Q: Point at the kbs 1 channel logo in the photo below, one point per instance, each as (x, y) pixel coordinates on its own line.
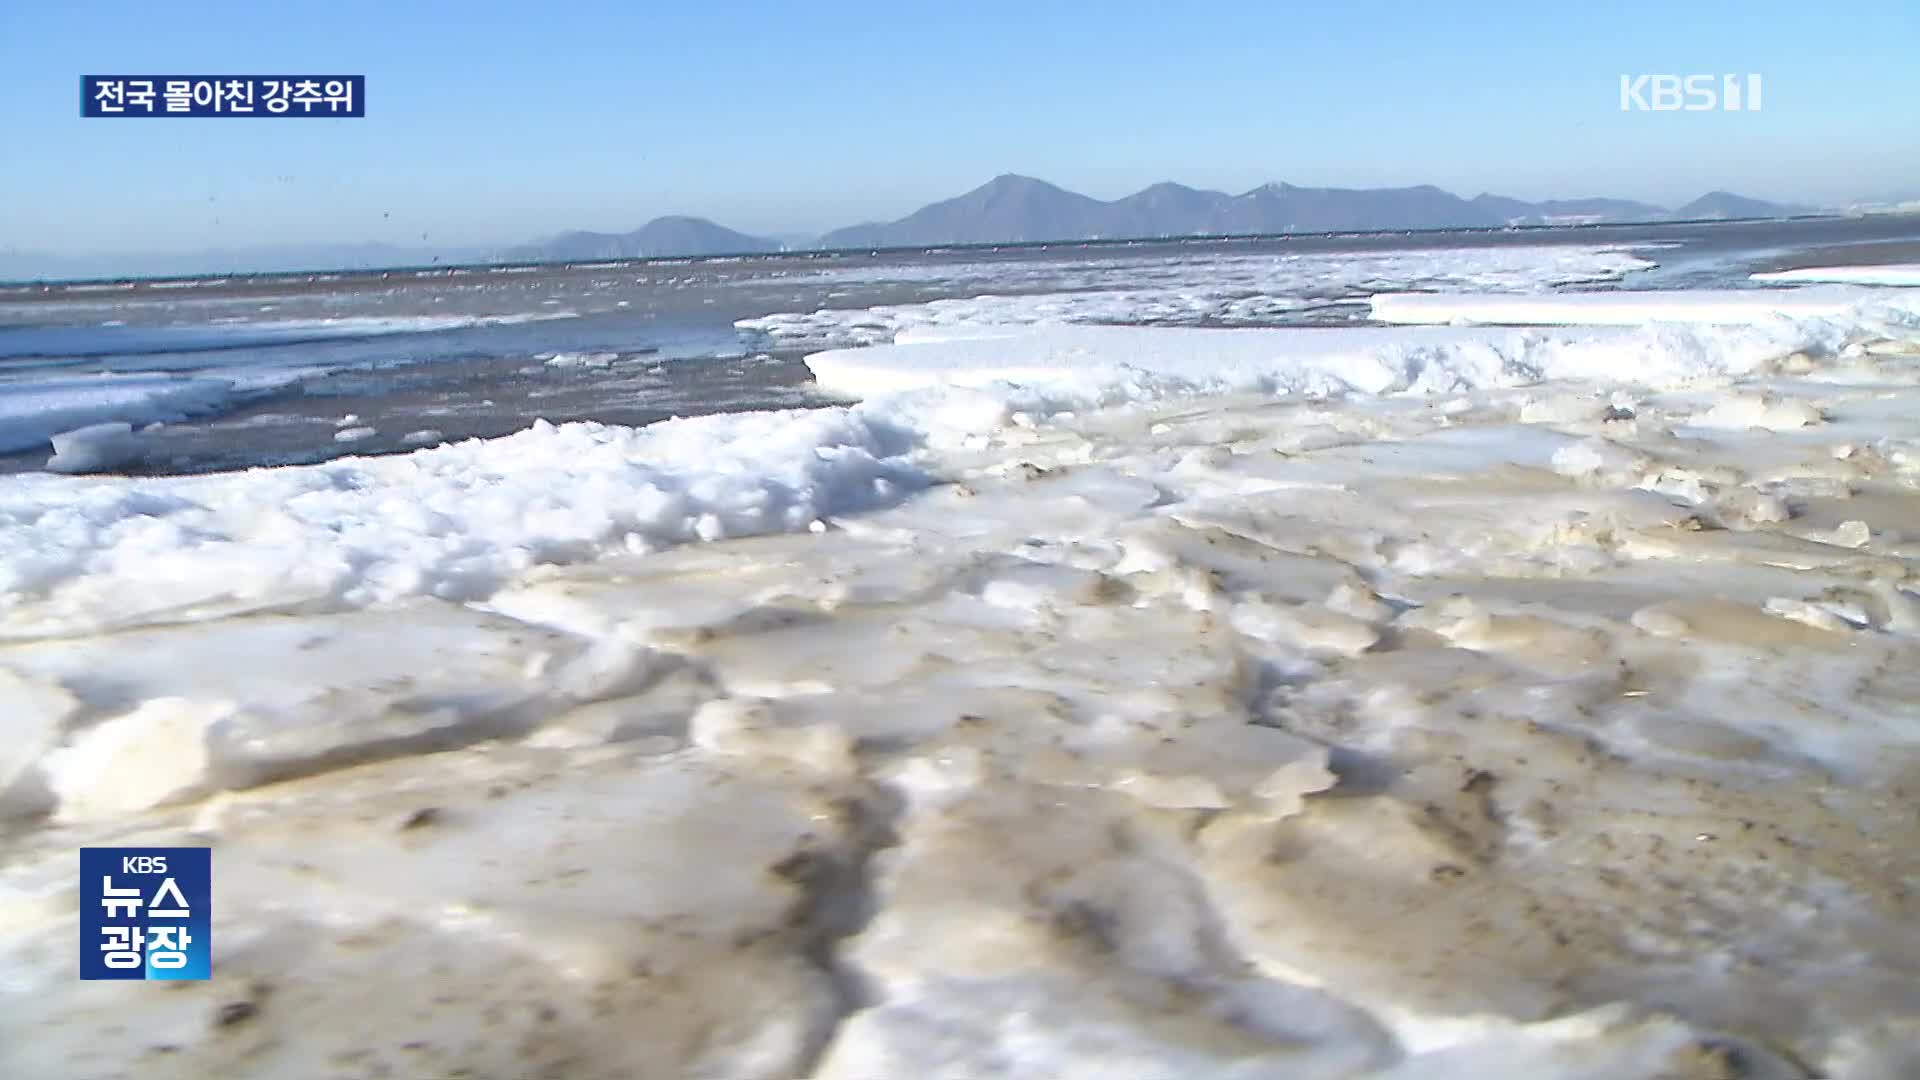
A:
(1690, 93)
(282, 96)
(146, 913)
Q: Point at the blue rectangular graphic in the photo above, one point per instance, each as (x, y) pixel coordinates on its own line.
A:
(146, 913)
(223, 95)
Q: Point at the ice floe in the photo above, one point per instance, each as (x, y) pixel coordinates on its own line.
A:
(1890, 274)
(32, 413)
(1215, 290)
(1718, 306)
(1093, 366)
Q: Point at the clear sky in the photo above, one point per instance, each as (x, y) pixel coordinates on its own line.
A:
(493, 123)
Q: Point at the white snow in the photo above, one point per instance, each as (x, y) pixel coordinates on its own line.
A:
(1889, 274)
(454, 521)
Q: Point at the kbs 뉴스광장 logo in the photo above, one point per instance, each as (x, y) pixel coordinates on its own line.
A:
(146, 913)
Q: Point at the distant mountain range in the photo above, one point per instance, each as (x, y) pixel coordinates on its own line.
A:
(663, 237)
(1020, 209)
(1008, 209)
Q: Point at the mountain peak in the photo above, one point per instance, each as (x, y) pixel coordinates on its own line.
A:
(671, 236)
(1726, 205)
(1016, 182)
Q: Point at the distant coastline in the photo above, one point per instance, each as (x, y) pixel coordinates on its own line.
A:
(498, 263)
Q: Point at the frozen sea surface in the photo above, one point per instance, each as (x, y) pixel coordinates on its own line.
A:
(1080, 701)
(229, 372)
(1061, 700)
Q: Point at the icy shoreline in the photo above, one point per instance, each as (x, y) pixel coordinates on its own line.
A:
(1464, 702)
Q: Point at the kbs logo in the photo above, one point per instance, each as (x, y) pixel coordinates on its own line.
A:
(1689, 93)
(146, 913)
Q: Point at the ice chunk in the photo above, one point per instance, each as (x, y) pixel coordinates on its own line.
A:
(1746, 508)
(1601, 458)
(1758, 411)
(731, 726)
(150, 756)
(1852, 534)
(95, 448)
(1304, 626)
(582, 360)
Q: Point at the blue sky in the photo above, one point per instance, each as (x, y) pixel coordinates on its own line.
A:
(493, 123)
